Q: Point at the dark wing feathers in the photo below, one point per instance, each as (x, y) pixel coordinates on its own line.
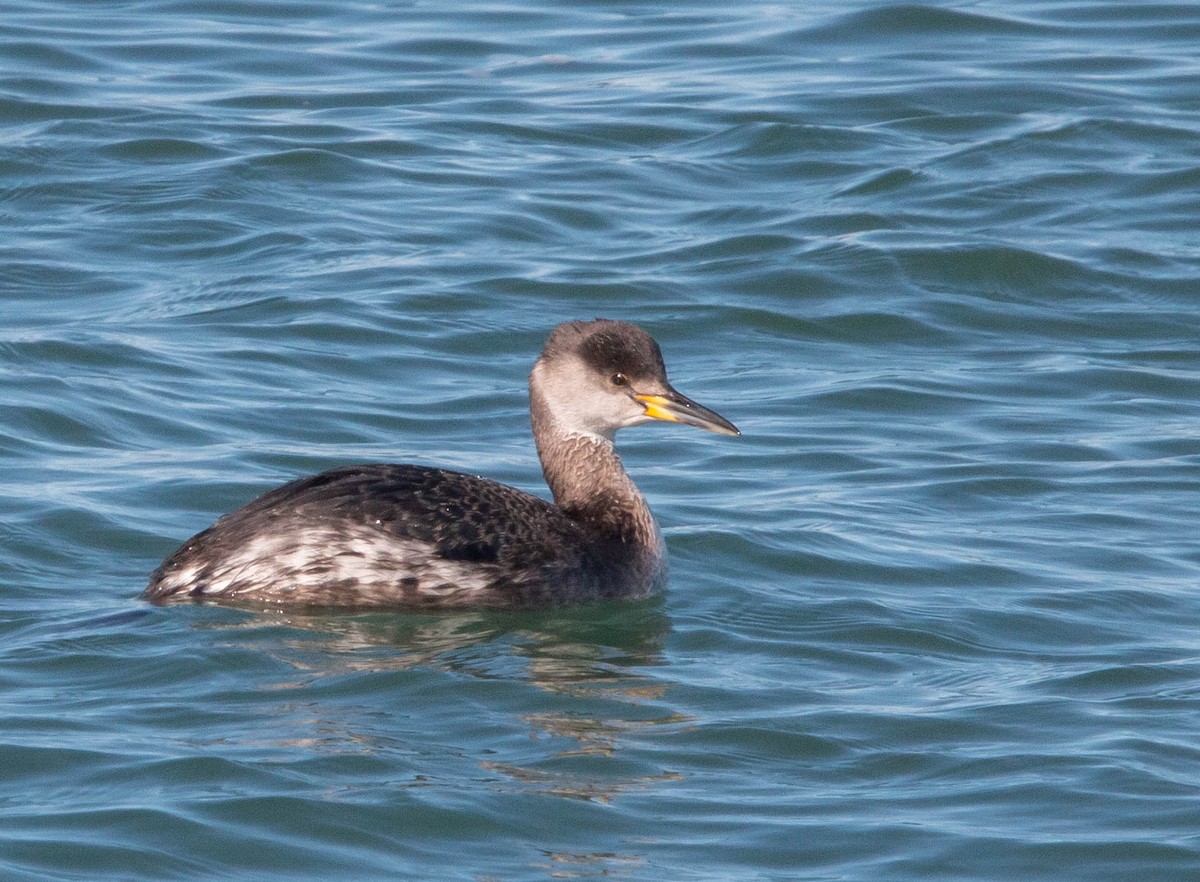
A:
(464, 517)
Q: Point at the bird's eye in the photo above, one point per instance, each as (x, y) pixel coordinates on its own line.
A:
(619, 379)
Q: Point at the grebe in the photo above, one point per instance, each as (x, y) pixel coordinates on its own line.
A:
(409, 536)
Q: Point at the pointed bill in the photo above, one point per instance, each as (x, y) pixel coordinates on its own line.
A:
(676, 408)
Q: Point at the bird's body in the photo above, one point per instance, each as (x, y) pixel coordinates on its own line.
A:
(384, 535)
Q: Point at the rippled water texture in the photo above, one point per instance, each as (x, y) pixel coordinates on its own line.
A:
(934, 616)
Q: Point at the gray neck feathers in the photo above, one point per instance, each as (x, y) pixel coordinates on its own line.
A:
(588, 481)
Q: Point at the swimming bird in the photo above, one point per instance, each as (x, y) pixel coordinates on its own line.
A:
(383, 535)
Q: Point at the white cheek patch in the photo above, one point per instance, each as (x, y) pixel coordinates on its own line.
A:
(578, 403)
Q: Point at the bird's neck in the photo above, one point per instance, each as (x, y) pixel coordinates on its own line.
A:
(589, 483)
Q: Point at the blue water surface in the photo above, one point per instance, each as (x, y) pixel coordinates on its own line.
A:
(936, 615)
